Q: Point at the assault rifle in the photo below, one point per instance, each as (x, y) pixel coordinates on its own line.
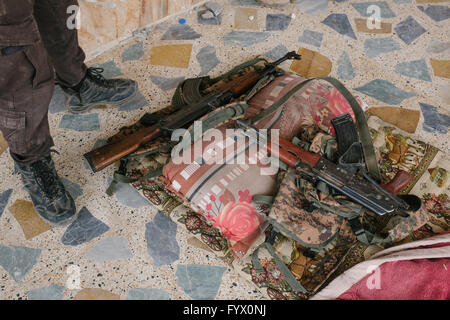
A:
(217, 96)
(357, 186)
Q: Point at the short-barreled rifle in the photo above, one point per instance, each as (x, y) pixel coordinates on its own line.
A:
(357, 186)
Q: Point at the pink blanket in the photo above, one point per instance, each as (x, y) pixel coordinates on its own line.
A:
(425, 279)
(416, 271)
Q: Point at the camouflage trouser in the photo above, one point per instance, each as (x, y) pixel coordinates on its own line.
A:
(35, 42)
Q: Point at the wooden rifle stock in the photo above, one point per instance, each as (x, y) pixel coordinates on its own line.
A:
(401, 180)
(239, 87)
(102, 157)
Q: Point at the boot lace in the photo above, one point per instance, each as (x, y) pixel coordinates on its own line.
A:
(47, 179)
(95, 74)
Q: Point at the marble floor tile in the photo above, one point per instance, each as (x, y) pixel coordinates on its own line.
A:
(18, 260)
(366, 9)
(246, 19)
(85, 228)
(114, 248)
(312, 65)
(80, 122)
(312, 6)
(133, 52)
(31, 223)
(375, 47)
(345, 69)
(74, 189)
(438, 47)
(51, 292)
(3, 144)
(4, 198)
(433, 120)
(213, 20)
(57, 104)
(244, 38)
(371, 26)
(340, 23)
(437, 13)
(162, 245)
(207, 58)
(166, 83)
(95, 294)
(415, 69)
(441, 68)
(137, 102)
(180, 32)
(200, 282)
(311, 37)
(385, 91)
(409, 30)
(405, 119)
(147, 294)
(276, 53)
(177, 55)
(110, 69)
(277, 22)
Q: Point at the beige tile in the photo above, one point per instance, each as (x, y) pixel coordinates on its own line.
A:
(32, 225)
(242, 19)
(312, 64)
(177, 55)
(441, 68)
(3, 144)
(361, 26)
(404, 119)
(95, 294)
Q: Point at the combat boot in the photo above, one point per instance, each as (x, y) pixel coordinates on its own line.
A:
(50, 199)
(94, 90)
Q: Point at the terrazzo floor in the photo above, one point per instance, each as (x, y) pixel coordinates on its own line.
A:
(121, 247)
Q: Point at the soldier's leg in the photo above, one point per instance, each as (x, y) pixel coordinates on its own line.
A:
(85, 87)
(26, 83)
(60, 38)
(26, 87)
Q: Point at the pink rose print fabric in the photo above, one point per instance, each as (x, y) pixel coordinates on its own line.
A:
(238, 220)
